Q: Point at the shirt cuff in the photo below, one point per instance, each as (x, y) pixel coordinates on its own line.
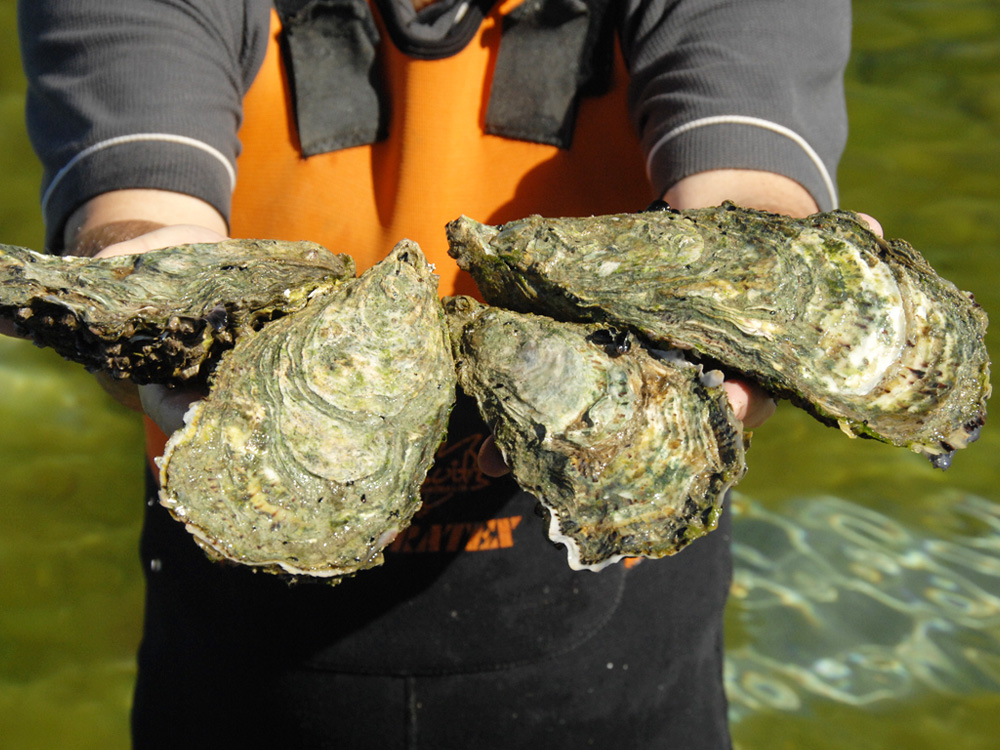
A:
(160, 161)
(739, 142)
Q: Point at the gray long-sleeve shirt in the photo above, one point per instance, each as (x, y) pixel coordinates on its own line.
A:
(147, 94)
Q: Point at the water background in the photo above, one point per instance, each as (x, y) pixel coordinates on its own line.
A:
(866, 606)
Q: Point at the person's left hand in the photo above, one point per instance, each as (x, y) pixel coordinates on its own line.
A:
(752, 406)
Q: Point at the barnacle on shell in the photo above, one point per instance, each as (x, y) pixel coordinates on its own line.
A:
(630, 454)
(163, 316)
(330, 394)
(858, 330)
(308, 454)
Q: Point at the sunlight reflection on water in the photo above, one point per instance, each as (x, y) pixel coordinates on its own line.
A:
(835, 606)
(840, 602)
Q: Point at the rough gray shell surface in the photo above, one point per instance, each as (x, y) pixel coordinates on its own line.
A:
(164, 316)
(308, 454)
(630, 454)
(858, 330)
(322, 420)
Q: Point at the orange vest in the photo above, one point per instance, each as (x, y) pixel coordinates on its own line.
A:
(435, 165)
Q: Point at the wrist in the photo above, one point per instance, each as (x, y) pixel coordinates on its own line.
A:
(92, 240)
(748, 188)
(122, 215)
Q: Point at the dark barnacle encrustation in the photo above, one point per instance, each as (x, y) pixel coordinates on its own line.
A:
(307, 456)
(164, 316)
(858, 330)
(630, 454)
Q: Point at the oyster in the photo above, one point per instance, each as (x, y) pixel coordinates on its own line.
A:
(308, 453)
(858, 330)
(630, 455)
(164, 316)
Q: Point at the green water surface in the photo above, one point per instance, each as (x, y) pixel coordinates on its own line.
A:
(866, 606)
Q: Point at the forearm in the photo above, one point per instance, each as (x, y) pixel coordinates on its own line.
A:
(756, 85)
(111, 101)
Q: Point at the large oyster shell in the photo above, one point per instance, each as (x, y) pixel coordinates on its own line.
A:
(630, 455)
(164, 316)
(858, 330)
(308, 453)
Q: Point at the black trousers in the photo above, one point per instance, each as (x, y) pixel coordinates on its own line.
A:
(461, 639)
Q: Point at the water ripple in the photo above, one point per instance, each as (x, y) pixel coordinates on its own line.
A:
(837, 601)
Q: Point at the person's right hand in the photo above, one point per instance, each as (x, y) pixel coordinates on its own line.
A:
(9, 328)
(164, 405)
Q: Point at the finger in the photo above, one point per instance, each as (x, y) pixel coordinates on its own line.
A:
(124, 392)
(9, 328)
(872, 223)
(491, 461)
(752, 405)
(167, 406)
(170, 236)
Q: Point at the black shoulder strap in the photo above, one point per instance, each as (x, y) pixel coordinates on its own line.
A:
(330, 53)
(552, 53)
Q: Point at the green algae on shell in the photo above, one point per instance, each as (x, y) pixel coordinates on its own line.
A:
(307, 456)
(629, 454)
(164, 316)
(858, 330)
